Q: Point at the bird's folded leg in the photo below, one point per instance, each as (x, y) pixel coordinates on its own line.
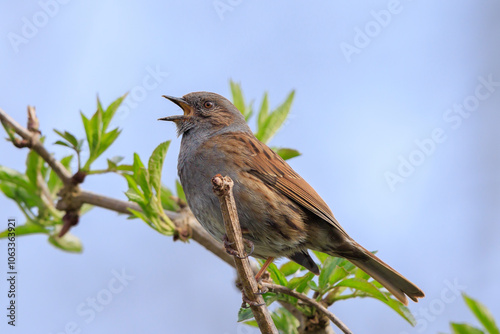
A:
(264, 267)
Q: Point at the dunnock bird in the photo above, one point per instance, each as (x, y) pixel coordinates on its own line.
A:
(279, 212)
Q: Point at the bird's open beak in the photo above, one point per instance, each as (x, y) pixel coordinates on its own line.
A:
(181, 103)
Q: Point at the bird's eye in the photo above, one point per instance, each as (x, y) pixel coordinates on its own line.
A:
(208, 104)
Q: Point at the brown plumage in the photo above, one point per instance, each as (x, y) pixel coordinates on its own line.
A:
(279, 211)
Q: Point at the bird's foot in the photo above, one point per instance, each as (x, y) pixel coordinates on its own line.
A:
(247, 302)
(231, 251)
(261, 289)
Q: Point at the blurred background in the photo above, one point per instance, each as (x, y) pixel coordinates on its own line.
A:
(395, 114)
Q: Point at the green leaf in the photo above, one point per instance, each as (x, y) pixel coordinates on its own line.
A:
(106, 140)
(312, 285)
(132, 184)
(348, 266)
(285, 322)
(28, 228)
(69, 137)
(98, 139)
(140, 215)
(86, 126)
(68, 243)
(402, 310)
(286, 153)
(141, 177)
(464, 329)
(363, 285)
(263, 112)
(155, 166)
(54, 183)
(180, 191)
(482, 314)
(80, 145)
(10, 131)
(321, 256)
(116, 159)
(143, 181)
(300, 283)
(277, 275)
(167, 201)
(133, 196)
(63, 143)
(12, 176)
(26, 199)
(239, 100)
(96, 123)
(110, 111)
(237, 94)
(93, 129)
(113, 163)
(246, 313)
(251, 323)
(33, 167)
(290, 268)
(100, 109)
(361, 274)
(328, 267)
(275, 120)
(338, 274)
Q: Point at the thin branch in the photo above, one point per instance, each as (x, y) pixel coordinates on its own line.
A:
(37, 146)
(181, 220)
(223, 188)
(284, 290)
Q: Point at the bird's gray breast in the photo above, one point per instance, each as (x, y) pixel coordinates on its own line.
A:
(196, 168)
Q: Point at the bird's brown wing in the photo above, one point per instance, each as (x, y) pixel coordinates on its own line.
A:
(268, 166)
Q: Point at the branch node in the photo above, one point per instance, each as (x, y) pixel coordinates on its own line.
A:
(79, 177)
(70, 219)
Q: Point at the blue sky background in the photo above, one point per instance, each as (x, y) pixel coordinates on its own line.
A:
(353, 119)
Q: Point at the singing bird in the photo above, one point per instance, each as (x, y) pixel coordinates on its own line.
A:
(279, 212)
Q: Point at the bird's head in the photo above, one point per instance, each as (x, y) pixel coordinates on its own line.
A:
(207, 112)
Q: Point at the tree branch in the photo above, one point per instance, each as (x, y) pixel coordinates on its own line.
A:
(223, 188)
(35, 144)
(284, 290)
(182, 220)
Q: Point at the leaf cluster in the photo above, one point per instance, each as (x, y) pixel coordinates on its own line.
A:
(268, 122)
(338, 280)
(146, 190)
(36, 202)
(482, 314)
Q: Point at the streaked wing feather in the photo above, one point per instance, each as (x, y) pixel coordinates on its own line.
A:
(268, 166)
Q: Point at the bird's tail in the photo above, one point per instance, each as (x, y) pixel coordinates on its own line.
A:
(393, 281)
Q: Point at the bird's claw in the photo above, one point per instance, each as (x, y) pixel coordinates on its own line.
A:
(249, 302)
(261, 289)
(233, 252)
